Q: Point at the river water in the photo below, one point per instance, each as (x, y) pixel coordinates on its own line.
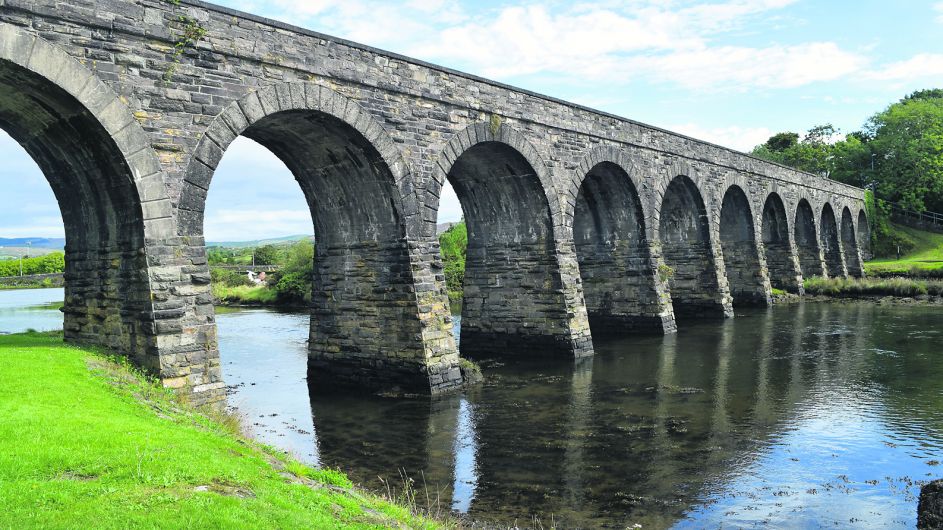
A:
(804, 415)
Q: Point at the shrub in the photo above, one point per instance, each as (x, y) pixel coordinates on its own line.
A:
(229, 278)
(293, 287)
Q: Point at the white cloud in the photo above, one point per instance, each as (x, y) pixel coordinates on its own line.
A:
(46, 226)
(742, 68)
(917, 67)
(651, 41)
(739, 138)
(938, 7)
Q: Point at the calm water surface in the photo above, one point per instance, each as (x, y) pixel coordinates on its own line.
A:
(801, 416)
(22, 309)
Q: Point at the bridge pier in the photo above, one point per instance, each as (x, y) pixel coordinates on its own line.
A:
(366, 328)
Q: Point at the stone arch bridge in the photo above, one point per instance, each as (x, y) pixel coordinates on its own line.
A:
(578, 220)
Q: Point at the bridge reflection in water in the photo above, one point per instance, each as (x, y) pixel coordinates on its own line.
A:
(810, 414)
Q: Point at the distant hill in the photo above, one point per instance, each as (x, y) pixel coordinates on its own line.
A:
(55, 243)
(16, 247)
(442, 227)
(259, 242)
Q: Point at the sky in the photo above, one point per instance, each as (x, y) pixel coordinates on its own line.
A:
(732, 72)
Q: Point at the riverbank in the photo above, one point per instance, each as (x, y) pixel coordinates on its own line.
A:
(87, 441)
(898, 287)
(35, 281)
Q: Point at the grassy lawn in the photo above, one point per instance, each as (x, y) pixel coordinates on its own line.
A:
(925, 260)
(86, 442)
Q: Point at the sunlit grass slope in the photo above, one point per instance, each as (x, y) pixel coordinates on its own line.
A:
(88, 443)
(925, 259)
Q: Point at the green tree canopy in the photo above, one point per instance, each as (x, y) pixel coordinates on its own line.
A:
(907, 139)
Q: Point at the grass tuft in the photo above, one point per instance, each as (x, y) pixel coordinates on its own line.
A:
(850, 287)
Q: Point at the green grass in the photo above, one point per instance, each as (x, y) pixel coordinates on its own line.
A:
(853, 287)
(244, 294)
(924, 261)
(86, 442)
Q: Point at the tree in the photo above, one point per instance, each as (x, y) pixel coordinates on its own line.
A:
(782, 141)
(850, 160)
(907, 139)
(266, 255)
(453, 244)
(293, 282)
(928, 93)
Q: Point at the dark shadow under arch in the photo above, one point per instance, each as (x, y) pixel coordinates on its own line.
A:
(741, 255)
(807, 241)
(686, 248)
(613, 253)
(780, 260)
(850, 245)
(834, 261)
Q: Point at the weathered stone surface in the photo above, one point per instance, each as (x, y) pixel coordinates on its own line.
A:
(575, 217)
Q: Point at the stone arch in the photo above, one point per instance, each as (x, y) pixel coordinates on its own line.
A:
(864, 235)
(107, 182)
(293, 107)
(742, 262)
(831, 243)
(613, 248)
(777, 245)
(366, 328)
(850, 245)
(690, 266)
(484, 133)
(518, 297)
(807, 241)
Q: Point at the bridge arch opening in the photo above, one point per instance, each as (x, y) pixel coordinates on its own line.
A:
(366, 331)
(686, 247)
(807, 241)
(512, 300)
(780, 259)
(834, 261)
(748, 284)
(107, 295)
(612, 250)
(850, 245)
(864, 236)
